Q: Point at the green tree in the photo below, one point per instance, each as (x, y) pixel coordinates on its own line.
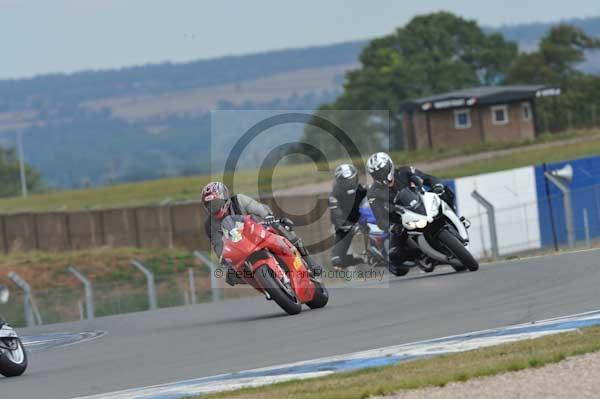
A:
(433, 53)
(556, 59)
(555, 63)
(10, 182)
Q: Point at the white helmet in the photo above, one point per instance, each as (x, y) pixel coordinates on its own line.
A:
(381, 168)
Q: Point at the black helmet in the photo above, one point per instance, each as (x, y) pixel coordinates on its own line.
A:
(381, 168)
(346, 176)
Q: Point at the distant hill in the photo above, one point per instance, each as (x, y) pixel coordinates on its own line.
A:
(134, 123)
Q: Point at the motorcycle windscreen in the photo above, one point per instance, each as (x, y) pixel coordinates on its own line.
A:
(410, 200)
(230, 226)
(240, 237)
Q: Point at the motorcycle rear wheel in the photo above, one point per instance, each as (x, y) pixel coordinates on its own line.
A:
(282, 295)
(458, 249)
(13, 363)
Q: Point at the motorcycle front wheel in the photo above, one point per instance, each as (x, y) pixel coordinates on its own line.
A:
(458, 250)
(284, 296)
(13, 362)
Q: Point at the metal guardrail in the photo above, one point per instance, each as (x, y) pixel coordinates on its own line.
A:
(561, 179)
(152, 303)
(89, 292)
(491, 214)
(32, 314)
(214, 284)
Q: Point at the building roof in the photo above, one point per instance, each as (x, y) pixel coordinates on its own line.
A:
(480, 95)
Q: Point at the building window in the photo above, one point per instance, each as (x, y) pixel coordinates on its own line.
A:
(500, 115)
(462, 119)
(526, 111)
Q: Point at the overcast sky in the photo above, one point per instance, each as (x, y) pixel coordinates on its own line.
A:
(42, 36)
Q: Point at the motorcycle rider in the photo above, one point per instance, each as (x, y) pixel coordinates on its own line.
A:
(218, 204)
(387, 182)
(344, 202)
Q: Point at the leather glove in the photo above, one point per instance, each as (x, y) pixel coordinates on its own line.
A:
(269, 220)
(438, 189)
(345, 227)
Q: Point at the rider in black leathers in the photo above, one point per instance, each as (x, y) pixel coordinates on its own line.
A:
(344, 203)
(387, 182)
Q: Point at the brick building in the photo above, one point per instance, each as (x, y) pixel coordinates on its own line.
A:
(472, 116)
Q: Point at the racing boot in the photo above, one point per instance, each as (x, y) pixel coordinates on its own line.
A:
(315, 269)
(352, 260)
(233, 278)
(336, 263)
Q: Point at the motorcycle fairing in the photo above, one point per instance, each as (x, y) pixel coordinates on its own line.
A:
(7, 332)
(265, 247)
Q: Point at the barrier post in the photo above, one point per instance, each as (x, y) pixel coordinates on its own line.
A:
(491, 214)
(586, 227)
(214, 286)
(561, 179)
(28, 308)
(89, 292)
(192, 283)
(149, 282)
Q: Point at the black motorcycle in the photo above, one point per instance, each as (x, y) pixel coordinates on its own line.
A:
(13, 357)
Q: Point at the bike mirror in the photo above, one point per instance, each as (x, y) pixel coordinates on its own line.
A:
(4, 294)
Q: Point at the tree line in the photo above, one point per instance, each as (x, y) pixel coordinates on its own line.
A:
(441, 52)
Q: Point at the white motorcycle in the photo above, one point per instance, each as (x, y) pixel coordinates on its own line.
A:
(434, 229)
(13, 358)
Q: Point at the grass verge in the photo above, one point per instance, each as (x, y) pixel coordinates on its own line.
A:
(437, 371)
(524, 158)
(48, 270)
(118, 286)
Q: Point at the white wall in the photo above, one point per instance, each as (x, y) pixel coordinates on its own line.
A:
(513, 194)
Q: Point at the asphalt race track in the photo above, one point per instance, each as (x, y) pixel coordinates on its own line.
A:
(151, 348)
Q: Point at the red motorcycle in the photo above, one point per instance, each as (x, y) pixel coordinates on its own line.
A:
(268, 261)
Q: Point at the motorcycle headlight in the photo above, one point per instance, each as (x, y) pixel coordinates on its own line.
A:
(416, 224)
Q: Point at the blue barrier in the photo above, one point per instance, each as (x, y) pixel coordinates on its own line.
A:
(585, 194)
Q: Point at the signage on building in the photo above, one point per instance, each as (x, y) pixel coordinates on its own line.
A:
(452, 103)
(551, 91)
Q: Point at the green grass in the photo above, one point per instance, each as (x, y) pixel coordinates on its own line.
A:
(437, 371)
(162, 191)
(155, 192)
(524, 158)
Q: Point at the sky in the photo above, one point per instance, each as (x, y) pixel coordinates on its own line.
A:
(48, 36)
